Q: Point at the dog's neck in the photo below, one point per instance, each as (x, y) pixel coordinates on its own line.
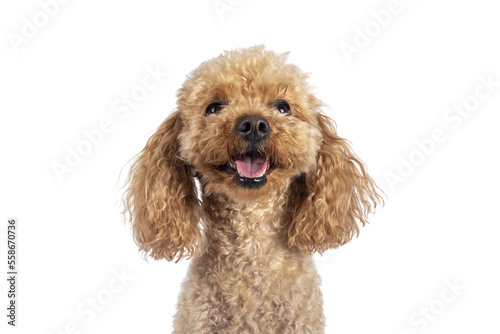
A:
(246, 228)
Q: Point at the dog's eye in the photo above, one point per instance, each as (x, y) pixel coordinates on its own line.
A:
(213, 108)
(282, 106)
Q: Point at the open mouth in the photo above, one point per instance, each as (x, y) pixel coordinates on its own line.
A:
(249, 169)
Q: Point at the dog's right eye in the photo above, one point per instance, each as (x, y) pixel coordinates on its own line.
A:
(213, 108)
(283, 107)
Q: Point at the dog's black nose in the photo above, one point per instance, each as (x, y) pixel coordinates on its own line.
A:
(253, 128)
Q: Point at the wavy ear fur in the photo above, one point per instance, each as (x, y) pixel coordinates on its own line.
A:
(330, 201)
(161, 198)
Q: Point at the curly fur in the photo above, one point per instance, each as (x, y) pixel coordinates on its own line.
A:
(252, 270)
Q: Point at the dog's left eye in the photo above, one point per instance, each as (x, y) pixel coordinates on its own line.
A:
(213, 108)
(282, 106)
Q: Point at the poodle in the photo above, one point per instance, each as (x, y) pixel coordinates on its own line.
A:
(249, 178)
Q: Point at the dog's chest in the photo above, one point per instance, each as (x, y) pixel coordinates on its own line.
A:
(243, 295)
(249, 281)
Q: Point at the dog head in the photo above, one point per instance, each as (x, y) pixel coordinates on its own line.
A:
(248, 127)
(249, 124)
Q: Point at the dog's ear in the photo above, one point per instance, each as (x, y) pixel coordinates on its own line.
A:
(330, 201)
(161, 198)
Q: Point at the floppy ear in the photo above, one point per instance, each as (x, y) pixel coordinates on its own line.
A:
(161, 198)
(331, 200)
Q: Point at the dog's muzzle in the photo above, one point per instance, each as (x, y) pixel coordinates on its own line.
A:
(250, 168)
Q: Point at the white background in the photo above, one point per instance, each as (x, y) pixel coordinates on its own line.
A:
(440, 224)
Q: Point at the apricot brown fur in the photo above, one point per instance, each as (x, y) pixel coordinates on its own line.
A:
(252, 269)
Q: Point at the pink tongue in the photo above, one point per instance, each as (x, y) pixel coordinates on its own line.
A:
(251, 167)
